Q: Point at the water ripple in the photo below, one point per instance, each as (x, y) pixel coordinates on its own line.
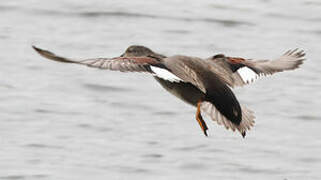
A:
(224, 22)
(13, 177)
(164, 113)
(95, 128)
(47, 111)
(128, 105)
(6, 86)
(255, 170)
(313, 3)
(18, 177)
(7, 8)
(230, 8)
(36, 145)
(129, 169)
(117, 14)
(177, 31)
(4, 36)
(104, 88)
(194, 166)
(191, 148)
(310, 160)
(308, 117)
(296, 17)
(154, 156)
(138, 15)
(99, 14)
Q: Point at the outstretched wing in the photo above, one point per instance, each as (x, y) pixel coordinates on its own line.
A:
(123, 64)
(239, 71)
(290, 60)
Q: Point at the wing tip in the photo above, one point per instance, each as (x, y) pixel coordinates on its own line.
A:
(42, 52)
(296, 52)
(49, 55)
(293, 58)
(38, 50)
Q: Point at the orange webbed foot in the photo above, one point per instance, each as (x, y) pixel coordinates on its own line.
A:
(200, 120)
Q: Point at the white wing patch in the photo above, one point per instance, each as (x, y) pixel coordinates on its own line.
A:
(247, 75)
(164, 74)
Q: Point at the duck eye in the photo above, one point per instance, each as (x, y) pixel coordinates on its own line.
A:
(130, 50)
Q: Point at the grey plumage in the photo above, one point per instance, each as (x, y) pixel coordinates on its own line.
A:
(290, 60)
(197, 80)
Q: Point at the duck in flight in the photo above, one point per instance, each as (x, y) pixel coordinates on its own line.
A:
(203, 83)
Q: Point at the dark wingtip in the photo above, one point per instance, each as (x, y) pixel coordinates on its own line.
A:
(52, 56)
(41, 51)
(35, 48)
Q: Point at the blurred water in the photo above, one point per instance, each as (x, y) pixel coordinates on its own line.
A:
(62, 121)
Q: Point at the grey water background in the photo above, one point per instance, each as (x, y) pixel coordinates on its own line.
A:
(62, 121)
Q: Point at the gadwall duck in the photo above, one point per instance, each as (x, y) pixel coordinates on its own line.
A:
(203, 83)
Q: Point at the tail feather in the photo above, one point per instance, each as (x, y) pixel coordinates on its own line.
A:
(245, 125)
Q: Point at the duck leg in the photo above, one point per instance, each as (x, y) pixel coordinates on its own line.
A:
(199, 118)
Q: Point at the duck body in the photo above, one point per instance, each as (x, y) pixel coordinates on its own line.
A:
(203, 83)
(182, 90)
(215, 90)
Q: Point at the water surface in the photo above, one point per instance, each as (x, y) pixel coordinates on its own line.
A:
(62, 121)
